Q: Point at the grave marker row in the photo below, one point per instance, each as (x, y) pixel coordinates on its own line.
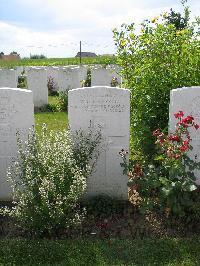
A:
(63, 78)
(99, 108)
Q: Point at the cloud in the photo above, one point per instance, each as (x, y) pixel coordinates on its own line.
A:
(26, 41)
(55, 27)
(66, 14)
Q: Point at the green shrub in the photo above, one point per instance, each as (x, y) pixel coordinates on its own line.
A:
(48, 183)
(86, 148)
(156, 60)
(50, 108)
(63, 101)
(36, 56)
(22, 82)
(114, 82)
(87, 81)
(59, 104)
(103, 205)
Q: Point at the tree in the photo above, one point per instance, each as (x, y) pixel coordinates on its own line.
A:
(13, 53)
(177, 19)
(1, 54)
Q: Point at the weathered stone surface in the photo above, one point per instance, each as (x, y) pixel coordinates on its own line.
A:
(8, 78)
(52, 73)
(71, 77)
(187, 99)
(19, 70)
(37, 83)
(102, 76)
(107, 109)
(16, 115)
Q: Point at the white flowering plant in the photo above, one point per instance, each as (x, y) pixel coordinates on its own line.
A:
(48, 182)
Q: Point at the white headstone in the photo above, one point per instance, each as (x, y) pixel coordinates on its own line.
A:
(8, 78)
(19, 70)
(52, 73)
(108, 109)
(71, 77)
(102, 76)
(187, 99)
(16, 115)
(37, 83)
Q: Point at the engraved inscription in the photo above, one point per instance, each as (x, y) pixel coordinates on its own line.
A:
(105, 103)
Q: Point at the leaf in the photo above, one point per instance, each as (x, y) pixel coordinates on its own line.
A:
(130, 183)
(166, 191)
(159, 157)
(192, 187)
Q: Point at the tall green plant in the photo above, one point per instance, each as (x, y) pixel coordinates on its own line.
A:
(154, 61)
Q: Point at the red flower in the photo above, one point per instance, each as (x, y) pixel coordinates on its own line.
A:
(174, 138)
(184, 148)
(177, 156)
(161, 139)
(156, 132)
(179, 114)
(186, 142)
(196, 126)
(188, 136)
(187, 120)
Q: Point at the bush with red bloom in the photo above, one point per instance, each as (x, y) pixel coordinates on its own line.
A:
(170, 180)
(175, 145)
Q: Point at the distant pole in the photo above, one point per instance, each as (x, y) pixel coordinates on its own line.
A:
(80, 53)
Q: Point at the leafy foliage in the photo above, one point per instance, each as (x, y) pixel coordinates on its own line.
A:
(170, 183)
(22, 82)
(114, 82)
(48, 182)
(103, 205)
(86, 148)
(63, 101)
(58, 102)
(177, 20)
(156, 60)
(36, 56)
(87, 81)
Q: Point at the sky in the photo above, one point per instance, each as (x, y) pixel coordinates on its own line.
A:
(54, 28)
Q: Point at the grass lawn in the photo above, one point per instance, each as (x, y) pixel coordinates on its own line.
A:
(54, 121)
(100, 252)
